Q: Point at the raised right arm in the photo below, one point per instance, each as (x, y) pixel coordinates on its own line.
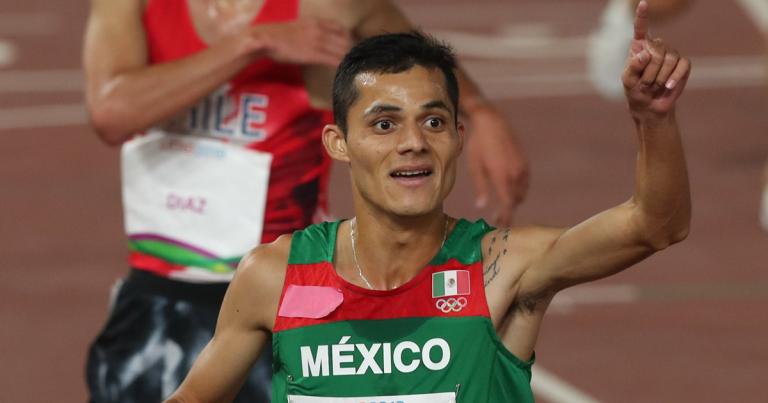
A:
(124, 94)
(245, 321)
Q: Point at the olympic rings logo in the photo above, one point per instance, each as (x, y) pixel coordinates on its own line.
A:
(451, 304)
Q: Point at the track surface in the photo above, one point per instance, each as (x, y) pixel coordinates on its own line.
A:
(688, 325)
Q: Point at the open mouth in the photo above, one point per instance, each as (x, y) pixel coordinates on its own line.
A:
(411, 173)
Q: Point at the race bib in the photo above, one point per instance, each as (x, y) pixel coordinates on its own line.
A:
(194, 201)
(448, 397)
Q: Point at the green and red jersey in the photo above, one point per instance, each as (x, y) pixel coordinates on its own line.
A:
(430, 340)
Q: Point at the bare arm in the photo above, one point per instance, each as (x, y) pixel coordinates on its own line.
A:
(125, 95)
(245, 321)
(495, 157)
(537, 262)
(657, 215)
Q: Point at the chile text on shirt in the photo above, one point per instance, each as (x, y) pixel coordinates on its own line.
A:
(239, 116)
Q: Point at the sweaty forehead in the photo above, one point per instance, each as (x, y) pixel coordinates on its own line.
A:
(415, 85)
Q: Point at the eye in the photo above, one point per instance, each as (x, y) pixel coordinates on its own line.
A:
(383, 125)
(434, 123)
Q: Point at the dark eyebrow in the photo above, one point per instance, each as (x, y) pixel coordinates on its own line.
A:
(379, 108)
(437, 104)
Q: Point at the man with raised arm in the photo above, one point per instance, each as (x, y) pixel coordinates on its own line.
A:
(228, 98)
(404, 303)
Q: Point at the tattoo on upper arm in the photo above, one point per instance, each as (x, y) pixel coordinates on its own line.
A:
(528, 304)
(492, 269)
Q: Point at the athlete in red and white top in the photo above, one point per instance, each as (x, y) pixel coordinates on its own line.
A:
(218, 106)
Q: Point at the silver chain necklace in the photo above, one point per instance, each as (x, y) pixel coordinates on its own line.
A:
(353, 236)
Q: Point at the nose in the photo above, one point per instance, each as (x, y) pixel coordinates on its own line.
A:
(412, 140)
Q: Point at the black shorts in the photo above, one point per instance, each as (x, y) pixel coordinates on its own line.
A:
(155, 330)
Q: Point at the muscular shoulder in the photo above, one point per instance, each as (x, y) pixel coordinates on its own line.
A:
(258, 281)
(267, 257)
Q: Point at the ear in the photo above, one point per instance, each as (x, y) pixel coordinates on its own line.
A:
(335, 143)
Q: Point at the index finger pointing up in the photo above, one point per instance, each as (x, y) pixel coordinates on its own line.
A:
(641, 21)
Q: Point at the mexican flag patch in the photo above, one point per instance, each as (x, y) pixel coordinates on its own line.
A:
(449, 283)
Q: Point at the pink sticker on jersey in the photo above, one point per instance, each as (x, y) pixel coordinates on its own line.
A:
(308, 301)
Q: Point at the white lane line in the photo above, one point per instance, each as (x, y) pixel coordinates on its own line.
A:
(13, 81)
(594, 294)
(708, 73)
(758, 11)
(42, 116)
(615, 294)
(7, 53)
(529, 29)
(510, 44)
(23, 24)
(548, 386)
(462, 13)
(724, 72)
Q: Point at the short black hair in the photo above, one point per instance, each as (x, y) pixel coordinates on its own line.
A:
(391, 53)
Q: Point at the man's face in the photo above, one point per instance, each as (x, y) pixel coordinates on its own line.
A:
(402, 143)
